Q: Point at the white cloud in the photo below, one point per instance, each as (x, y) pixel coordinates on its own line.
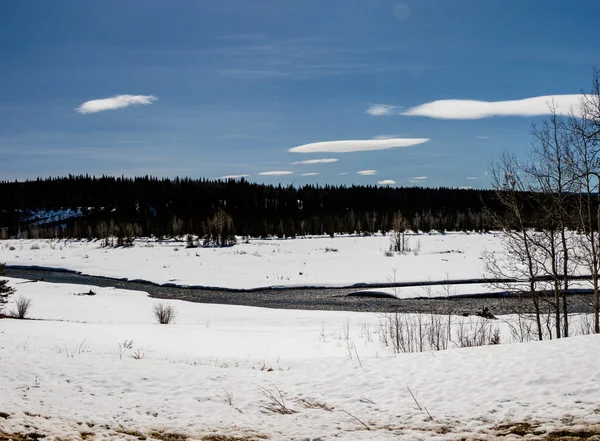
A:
(316, 161)
(309, 174)
(233, 177)
(473, 178)
(482, 137)
(276, 173)
(366, 172)
(342, 174)
(115, 102)
(357, 145)
(418, 179)
(472, 109)
(386, 182)
(381, 110)
(465, 187)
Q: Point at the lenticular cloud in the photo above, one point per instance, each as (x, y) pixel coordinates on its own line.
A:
(357, 145)
(115, 102)
(276, 173)
(316, 161)
(472, 109)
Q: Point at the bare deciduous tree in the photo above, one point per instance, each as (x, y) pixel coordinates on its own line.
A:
(220, 230)
(584, 131)
(554, 183)
(399, 242)
(518, 260)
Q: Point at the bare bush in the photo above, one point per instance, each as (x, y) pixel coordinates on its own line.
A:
(480, 332)
(22, 305)
(164, 313)
(435, 332)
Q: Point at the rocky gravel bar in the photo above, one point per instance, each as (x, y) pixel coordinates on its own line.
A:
(310, 298)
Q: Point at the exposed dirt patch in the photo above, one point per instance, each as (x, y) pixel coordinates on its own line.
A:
(520, 429)
(591, 433)
(166, 436)
(233, 438)
(32, 436)
(578, 435)
(132, 433)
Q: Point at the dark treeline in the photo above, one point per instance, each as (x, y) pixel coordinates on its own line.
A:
(148, 206)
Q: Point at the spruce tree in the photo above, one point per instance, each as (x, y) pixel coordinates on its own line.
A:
(5, 290)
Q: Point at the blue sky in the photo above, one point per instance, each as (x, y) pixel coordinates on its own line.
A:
(224, 88)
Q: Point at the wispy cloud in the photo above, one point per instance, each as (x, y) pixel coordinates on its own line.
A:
(382, 110)
(276, 173)
(309, 174)
(342, 174)
(472, 109)
(115, 102)
(482, 137)
(366, 172)
(474, 178)
(233, 177)
(258, 57)
(316, 161)
(418, 179)
(465, 187)
(357, 145)
(386, 182)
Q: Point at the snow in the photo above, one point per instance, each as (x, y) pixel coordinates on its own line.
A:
(100, 367)
(65, 376)
(338, 261)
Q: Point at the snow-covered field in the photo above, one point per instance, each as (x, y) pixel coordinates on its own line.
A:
(69, 376)
(342, 260)
(99, 367)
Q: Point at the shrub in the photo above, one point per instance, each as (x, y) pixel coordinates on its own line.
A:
(164, 313)
(190, 242)
(22, 307)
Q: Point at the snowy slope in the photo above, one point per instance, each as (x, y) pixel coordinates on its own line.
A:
(211, 371)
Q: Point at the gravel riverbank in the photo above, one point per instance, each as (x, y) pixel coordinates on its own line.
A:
(334, 299)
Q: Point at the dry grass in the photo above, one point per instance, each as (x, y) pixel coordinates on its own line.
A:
(310, 403)
(275, 400)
